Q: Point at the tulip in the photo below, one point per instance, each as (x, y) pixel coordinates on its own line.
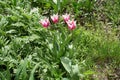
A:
(66, 17)
(71, 24)
(45, 22)
(54, 18)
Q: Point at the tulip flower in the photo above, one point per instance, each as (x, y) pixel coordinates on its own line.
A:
(66, 17)
(71, 24)
(54, 18)
(45, 22)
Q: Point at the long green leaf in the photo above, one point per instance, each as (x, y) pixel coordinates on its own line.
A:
(32, 72)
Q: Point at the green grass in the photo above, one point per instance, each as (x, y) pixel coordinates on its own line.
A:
(28, 51)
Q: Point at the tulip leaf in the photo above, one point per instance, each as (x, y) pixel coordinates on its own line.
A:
(75, 69)
(32, 72)
(65, 79)
(55, 1)
(66, 63)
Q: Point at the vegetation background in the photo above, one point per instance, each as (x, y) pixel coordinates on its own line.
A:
(28, 51)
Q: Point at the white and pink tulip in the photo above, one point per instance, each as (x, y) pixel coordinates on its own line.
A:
(66, 17)
(71, 24)
(45, 22)
(55, 18)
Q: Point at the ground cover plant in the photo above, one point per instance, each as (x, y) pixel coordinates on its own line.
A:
(59, 40)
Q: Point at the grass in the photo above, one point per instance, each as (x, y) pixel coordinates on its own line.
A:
(28, 51)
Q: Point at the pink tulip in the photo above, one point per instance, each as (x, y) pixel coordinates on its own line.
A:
(71, 24)
(45, 22)
(66, 17)
(54, 18)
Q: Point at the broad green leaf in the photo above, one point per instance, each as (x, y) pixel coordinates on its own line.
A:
(65, 79)
(75, 69)
(56, 1)
(66, 63)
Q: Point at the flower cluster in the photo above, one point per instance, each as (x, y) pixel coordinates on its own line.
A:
(55, 18)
